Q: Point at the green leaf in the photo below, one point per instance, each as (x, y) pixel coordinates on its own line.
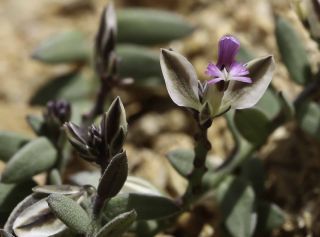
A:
(37, 156)
(118, 225)
(55, 177)
(147, 206)
(33, 217)
(71, 87)
(113, 177)
(66, 47)
(309, 119)
(180, 78)
(139, 185)
(270, 216)
(133, 61)
(269, 104)
(244, 55)
(11, 195)
(253, 125)
(292, 52)
(69, 212)
(10, 143)
(148, 26)
(236, 202)
(252, 170)
(36, 123)
(240, 95)
(182, 161)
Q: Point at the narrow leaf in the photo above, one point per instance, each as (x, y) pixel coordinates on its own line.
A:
(10, 143)
(55, 177)
(113, 177)
(147, 206)
(70, 86)
(133, 61)
(69, 212)
(252, 170)
(118, 225)
(309, 119)
(180, 78)
(66, 47)
(148, 26)
(182, 161)
(36, 123)
(12, 194)
(37, 156)
(269, 104)
(253, 125)
(292, 52)
(236, 199)
(270, 217)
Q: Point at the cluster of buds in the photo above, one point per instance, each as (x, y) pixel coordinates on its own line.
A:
(105, 43)
(56, 114)
(100, 143)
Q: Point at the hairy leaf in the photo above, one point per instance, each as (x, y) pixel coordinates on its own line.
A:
(292, 52)
(253, 125)
(148, 26)
(10, 143)
(148, 207)
(37, 156)
(118, 225)
(182, 161)
(236, 199)
(69, 212)
(70, 86)
(66, 47)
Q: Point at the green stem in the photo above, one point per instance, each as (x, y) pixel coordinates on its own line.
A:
(199, 164)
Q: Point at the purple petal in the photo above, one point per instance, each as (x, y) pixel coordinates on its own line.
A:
(237, 69)
(228, 48)
(215, 80)
(213, 71)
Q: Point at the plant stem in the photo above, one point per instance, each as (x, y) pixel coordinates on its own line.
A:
(98, 107)
(199, 164)
(308, 91)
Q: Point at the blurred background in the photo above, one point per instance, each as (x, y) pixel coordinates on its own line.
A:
(291, 157)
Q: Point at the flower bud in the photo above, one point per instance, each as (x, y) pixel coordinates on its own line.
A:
(106, 41)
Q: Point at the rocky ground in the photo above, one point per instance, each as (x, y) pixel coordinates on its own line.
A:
(291, 157)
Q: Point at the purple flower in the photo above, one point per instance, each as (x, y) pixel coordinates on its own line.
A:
(246, 82)
(227, 68)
